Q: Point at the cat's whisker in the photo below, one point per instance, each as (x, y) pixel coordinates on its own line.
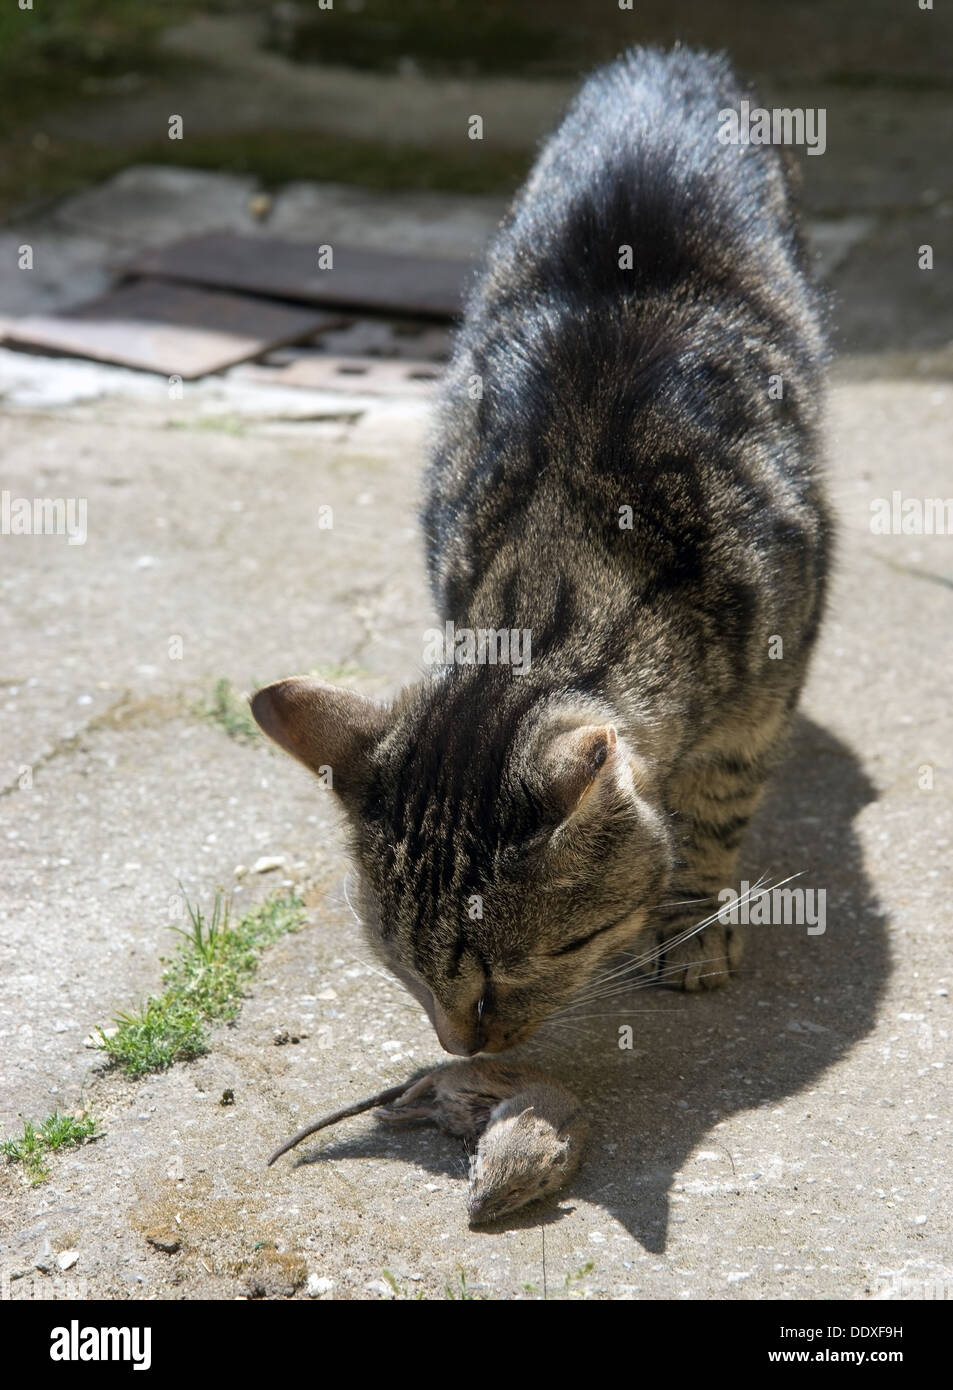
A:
(383, 974)
(624, 1013)
(639, 985)
(638, 963)
(756, 890)
(632, 986)
(639, 981)
(347, 899)
(686, 902)
(565, 1026)
(621, 1013)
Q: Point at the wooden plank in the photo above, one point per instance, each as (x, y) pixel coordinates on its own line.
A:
(428, 287)
(175, 330)
(364, 375)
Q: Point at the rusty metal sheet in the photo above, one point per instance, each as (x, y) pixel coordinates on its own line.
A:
(175, 330)
(364, 375)
(428, 287)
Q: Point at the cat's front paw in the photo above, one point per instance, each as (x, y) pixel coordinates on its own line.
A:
(703, 961)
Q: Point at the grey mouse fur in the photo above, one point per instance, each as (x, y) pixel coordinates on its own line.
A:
(530, 1131)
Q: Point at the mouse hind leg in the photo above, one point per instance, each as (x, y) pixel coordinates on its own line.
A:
(403, 1110)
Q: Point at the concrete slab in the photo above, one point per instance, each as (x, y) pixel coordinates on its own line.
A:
(787, 1138)
(82, 241)
(148, 204)
(433, 224)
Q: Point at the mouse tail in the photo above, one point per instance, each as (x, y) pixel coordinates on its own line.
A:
(382, 1098)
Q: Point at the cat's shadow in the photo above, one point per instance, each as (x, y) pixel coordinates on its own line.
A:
(799, 1004)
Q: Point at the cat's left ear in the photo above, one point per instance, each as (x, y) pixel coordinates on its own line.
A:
(327, 728)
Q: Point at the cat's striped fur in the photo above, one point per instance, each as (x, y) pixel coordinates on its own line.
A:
(612, 473)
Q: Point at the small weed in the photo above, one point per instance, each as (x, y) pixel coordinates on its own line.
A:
(399, 1291)
(339, 671)
(205, 982)
(460, 1289)
(568, 1283)
(56, 1132)
(164, 1030)
(230, 711)
(579, 1275)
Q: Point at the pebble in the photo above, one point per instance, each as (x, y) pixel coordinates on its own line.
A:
(67, 1258)
(316, 1286)
(267, 863)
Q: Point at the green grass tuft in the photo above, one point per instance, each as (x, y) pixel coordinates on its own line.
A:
(229, 710)
(336, 671)
(56, 1132)
(458, 1289)
(205, 982)
(462, 1291)
(164, 1030)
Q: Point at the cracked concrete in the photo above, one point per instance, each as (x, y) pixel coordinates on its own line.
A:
(786, 1138)
(789, 1137)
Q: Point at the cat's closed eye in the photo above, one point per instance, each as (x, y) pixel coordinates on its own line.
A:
(579, 942)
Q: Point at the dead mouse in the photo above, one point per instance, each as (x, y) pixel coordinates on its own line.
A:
(530, 1131)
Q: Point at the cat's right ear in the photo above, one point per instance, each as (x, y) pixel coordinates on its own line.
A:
(327, 728)
(574, 762)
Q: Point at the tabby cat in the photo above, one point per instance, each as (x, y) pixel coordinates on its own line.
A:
(624, 468)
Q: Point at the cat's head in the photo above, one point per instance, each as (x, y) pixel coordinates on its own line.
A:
(507, 841)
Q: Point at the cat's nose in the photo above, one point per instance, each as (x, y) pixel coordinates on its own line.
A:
(452, 1041)
(462, 1037)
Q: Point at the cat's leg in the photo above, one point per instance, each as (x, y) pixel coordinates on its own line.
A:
(717, 800)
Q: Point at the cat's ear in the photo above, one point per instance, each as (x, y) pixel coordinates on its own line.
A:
(574, 763)
(328, 729)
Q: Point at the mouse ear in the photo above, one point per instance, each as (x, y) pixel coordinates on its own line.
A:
(329, 729)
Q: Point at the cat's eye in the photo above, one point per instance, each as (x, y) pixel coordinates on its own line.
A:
(581, 941)
(578, 944)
